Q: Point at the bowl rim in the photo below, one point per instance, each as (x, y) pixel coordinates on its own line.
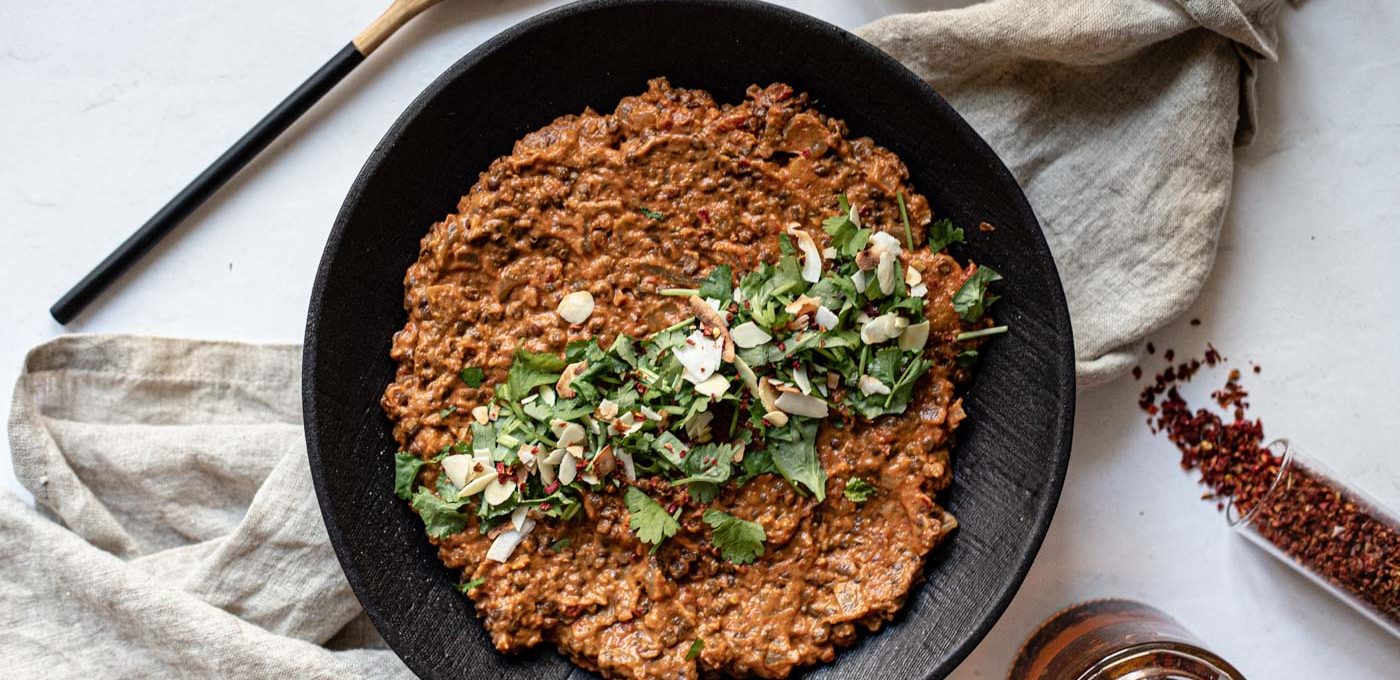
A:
(1063, 363)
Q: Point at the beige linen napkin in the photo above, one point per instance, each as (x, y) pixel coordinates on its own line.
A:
(1118, 118)
(177, 534)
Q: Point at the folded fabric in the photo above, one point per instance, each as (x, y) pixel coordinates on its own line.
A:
(177, 535)
(1118, 119)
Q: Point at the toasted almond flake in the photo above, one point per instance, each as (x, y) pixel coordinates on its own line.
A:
(883, 328)
(571, 433)
(919, 291)
(604, 463)
(715, 326)
(798, 404)
(826, 319)
(713, 387)
(748, 334)
(811, 256)
(546, 471)
(555, 456)
(494, 413)
(737, 295)
(698, 428)
(527, 457)
(576, 306)
(700, 355)
(529, 399)
(912, 277)
(589, 477)
(914, 337)
(767, 395)
(832, 380)
(884, 273)
(478, 484)
(862, 317)
(481, 415)
(775, 418)
(830, 253)
(799, 376)
(499, 491)
(505, 543)
(607, 409)
(854, 215)
(576, 451)
(714, 304)
(458, 469)
(567, 377)
(870, 385)
(650, 413)
(518, 515)
(803, 305)
(859, 280)
(548, 396)
(800, 323)
(882, 242)
(568, 470)
(629, 467)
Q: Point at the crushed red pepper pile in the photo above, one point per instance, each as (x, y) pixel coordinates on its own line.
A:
(1308, 517)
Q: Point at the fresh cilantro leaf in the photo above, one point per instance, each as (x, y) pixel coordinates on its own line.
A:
(473, 376)
(560, 544)
(902, 391)
(406, 468)
(942, 234)
(794, 451)
(904, 217)
(972, 300)
(739, 541)
(719, 284)
(708, 463)
(447, 411)
(858, 490)
(440, 517)
(671, 447)
(967, 357)
(530, 370)
(467, 587)
(994, 330)
(695, 648)
(756, 463)
(653, 214)
(649, 519)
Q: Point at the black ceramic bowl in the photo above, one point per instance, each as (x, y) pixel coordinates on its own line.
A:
(1013, 449)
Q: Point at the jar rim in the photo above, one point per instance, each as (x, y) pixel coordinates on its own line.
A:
(1232, 511)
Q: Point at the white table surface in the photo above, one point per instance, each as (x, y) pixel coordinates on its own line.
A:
(108, 108)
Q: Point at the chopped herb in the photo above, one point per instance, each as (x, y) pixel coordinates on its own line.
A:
(739, 541)
(904, 217)
(794, 451)
(440, 517)
(858, 490)
(649, 520)
(530, 370)
(406, 468)
(560, 544)
(470, 585)
(473, 376)
(695, 648)
(653, 214)
(994, 330)
(678, 292)
(942, 234)
(719, 285)
(967, 357)
(972, 299)
(447, 411)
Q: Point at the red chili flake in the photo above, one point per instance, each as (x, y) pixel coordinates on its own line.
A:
(747, 305)
(781, 347)
(743, 162)
(671, 507)
(806, 153)
(501, 470)
(1151, 349)
(1137, 373)
(1257, 368)
(552, 487)
(704, 215)
(641, 389)
(1170, 355)
(545, 506)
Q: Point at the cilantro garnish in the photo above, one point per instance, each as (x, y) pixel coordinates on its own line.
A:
(794, 451)
(739, 541)
(858, 490)
(719, 284)
(695, 648)
(469, 586)
(653, 214)
(442, 518)
(530, 370)
(649, 520)
(447, 411)
(994, 330)
(972, 299)
(560, 545)
(406, 468)
(473, 376)
(904, 217)
(942, 234)
(967, 357)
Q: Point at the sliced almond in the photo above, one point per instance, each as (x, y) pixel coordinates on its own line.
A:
(481, 415)
(799, 376)
(912, 277)
(883, 328)
(499, 491)
(650, 413)
(884, 273)
(570, 433)
(775, 418)
(767, 395)
(713, 322)
(914, 337)
(555, 457)
(799, 404)
(919, 291)
(700, 355)
(867, 260)
(526, 454)
(803, 305)
(830, 253)
(518, 515)
(604, 463)
(575, 451)
(629, 467)
(869, 385)
(832, 380)
(568, 470)
(748, 334)
(883, 242)
(714, 387)
(478, 484)
(860, 281)
(826, 319)
(576, 307)
(458, 469)
(811, 256)
(567, 377)
(607, 409)
(546, 471)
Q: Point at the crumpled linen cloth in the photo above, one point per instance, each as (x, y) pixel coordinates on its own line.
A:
(1119, 119)
(177, 533)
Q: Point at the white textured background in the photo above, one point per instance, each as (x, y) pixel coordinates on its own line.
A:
(108, 108)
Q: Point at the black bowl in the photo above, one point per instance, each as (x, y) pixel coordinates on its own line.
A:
(1014, 448)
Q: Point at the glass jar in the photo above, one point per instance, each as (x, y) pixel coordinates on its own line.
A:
(1330, 531)
(1116, 640)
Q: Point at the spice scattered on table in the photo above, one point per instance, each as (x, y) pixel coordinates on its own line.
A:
(1311, 518)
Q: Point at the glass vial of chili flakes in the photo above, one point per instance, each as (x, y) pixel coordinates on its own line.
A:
(1116, 640)
(1327, 529)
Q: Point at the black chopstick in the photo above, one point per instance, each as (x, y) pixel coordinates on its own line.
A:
(226, 166)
